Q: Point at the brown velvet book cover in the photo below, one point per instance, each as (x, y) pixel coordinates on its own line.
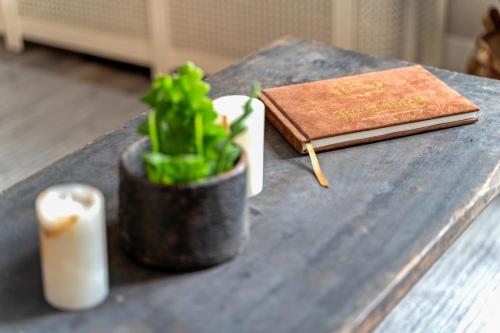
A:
(310, 112)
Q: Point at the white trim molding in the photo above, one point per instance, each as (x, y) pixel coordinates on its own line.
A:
(11, 25)
(159, 25)
(102, 43)
(144, 34)
(2, 28)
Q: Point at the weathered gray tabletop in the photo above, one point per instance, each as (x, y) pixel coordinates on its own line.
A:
(320, 260)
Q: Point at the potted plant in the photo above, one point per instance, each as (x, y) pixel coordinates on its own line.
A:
(183, 187)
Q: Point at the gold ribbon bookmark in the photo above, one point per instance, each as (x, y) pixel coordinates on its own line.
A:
(320, 176)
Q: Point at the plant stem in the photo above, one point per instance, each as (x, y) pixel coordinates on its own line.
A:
(198, 134)
(153, 132)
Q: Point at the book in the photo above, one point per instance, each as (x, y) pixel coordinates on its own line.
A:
(364, 108)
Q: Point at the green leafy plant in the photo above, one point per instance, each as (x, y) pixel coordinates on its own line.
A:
(187, 142)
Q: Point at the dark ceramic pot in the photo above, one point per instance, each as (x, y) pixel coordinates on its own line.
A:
(181, 227)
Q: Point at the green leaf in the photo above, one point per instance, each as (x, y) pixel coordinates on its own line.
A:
(143, 128)
(187, 143)
(198, 133)
(175, 169)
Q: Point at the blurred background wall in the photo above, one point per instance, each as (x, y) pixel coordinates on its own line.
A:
(161, 34)
(463, 25)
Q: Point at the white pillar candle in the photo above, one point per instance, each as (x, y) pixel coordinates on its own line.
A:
(73, 246)
(252, 140)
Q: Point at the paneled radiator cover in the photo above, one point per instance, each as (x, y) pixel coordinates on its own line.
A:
(164, 33)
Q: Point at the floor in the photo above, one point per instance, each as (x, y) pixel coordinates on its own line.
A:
(34, 137)
(461, 292)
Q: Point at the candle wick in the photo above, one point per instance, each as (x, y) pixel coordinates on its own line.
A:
(86, 199)
(225, 123)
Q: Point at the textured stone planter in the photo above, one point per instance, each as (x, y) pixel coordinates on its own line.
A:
(181, 227)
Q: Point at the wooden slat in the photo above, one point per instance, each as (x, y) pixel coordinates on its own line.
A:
(461, 292)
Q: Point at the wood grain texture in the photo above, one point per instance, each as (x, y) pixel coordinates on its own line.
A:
(461, 292)
(319, 260)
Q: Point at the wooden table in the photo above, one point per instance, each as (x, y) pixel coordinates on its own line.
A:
(320, 260)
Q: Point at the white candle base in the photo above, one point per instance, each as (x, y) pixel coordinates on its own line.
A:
(73, 246)
(252, 140)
